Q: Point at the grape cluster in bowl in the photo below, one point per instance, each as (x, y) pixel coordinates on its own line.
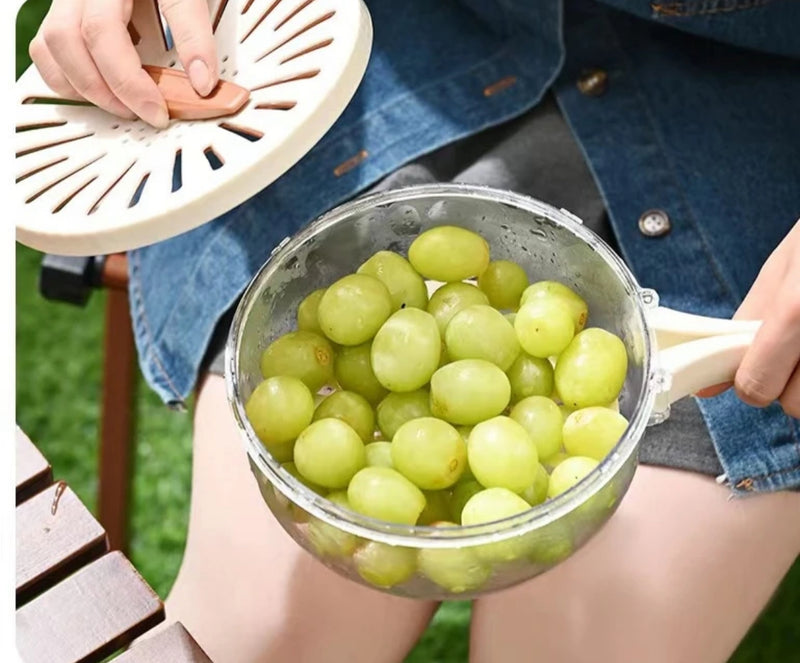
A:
(441, 389)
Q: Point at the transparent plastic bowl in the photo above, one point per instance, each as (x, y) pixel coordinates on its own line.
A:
(457, 562)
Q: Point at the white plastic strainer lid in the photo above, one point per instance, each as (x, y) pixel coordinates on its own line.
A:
(89, 183)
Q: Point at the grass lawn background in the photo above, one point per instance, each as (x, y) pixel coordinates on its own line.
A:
(59, 355)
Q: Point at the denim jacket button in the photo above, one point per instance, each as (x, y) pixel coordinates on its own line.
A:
(654, 223)
(593, 82)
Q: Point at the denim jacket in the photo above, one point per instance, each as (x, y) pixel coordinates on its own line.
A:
(694, 110)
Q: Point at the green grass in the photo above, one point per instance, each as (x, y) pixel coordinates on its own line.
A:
(58, 388)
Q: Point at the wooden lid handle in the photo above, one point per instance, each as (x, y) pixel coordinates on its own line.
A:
(183, 103)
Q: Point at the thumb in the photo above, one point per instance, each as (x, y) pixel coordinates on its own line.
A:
(190, 24)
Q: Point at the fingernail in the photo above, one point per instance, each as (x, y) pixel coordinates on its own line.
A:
(155, 114)
(200, 76)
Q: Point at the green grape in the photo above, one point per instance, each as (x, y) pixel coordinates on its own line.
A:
(353, 309)
(456, 570)
(568, 473)
(511, 317)
(491, 505)
(593, 432)
(353, 370)
(449, 253)
(481, 332)
(339, 497)
(444, 358)
(385, 494)
(551, 545)
(383, 565)
(578, 309)
(544, 327)
(599, 507)
(307, 312)
(462, 492)
(437, 507)
(298, 514)
(379, 454)
(530, 376)
(591, 370)
(396, 409)
(406, 350)
(552, 462)
(543, 421)
(279, 409)
(291, 468)
(300, 354)
(551, 552)
(469, 391)
(502, 454)
(330, 541)
(329, 453)
(536, 493)
(352, 408)
(503, 282)
(565, 411)
(406, 288)
(429, 452)
(272, 494)
(464, 431)
(452, 298)
(282, 452)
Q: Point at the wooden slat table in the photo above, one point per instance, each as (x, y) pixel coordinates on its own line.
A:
(56, 535)
(77, 602)
(172, 644)
(33, 471)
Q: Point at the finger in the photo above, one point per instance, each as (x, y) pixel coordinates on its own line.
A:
(771, 274)
(771, 359)
(755, 303)
(105, 31)
(62, 34)
(761, 294)
(790, 398)
(50, 71)
(190, 24)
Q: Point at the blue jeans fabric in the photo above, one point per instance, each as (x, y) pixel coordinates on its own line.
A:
(705, 130)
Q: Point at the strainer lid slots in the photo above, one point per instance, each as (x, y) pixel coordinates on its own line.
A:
(89, 183)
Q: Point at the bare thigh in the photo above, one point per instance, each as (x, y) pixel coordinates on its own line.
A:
(680, 573)
(249, 593)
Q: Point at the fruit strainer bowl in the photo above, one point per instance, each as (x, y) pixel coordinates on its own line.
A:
(550, 244)
(90, 183)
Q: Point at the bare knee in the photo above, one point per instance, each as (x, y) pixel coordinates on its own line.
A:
(249, 593)
(679, 573)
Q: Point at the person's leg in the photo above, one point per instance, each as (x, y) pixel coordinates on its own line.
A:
(679, 573)
(247, 592)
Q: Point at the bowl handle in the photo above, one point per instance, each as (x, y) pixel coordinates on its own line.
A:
(697, 351)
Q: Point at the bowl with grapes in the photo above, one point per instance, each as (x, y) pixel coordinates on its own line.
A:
(441, 390)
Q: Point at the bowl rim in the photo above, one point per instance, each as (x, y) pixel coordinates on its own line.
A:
(418, 536)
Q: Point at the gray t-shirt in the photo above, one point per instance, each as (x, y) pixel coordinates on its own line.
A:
(537, 155)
